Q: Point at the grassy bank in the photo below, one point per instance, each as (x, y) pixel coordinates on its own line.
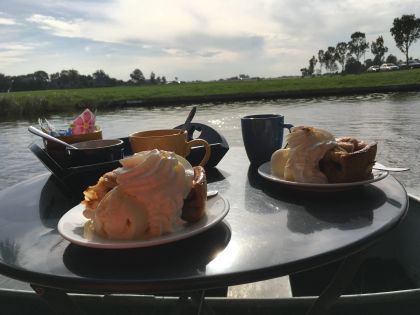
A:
(34, 103)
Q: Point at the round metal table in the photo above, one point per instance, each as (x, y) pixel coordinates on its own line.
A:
(271, 230)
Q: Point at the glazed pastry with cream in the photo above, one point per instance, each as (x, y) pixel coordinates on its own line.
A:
(299, 162)
(314, 155)
(142, 199)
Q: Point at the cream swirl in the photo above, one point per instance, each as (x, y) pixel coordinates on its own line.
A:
(300, 161)
(159, 183)
(148, 200)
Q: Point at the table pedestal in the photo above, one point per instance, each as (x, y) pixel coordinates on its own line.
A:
(342, 278)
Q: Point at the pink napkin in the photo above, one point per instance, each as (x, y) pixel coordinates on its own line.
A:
(84, 123)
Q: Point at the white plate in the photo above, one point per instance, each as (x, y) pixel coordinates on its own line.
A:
(71, 226)
(265, 171)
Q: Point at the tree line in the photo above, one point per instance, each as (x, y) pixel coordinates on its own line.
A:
(69, 79)
(405, 31)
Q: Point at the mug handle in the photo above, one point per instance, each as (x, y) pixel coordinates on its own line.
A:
(288, 126)
(197, 142)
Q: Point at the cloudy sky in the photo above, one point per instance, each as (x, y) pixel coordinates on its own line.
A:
(191, 40)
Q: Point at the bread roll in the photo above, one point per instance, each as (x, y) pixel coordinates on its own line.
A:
(352, 161)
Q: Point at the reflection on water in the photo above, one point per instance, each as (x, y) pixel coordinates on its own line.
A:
(390, 119)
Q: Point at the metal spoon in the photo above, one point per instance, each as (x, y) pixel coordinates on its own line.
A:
(211, 193)
(379, 166)
(189, 119)
(44, 135)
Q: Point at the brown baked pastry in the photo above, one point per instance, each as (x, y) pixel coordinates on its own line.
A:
(352, 161)
(94, 194)
(195, 203)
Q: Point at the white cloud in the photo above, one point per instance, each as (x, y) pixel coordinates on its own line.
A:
(58, 27)
(14, 46)
(163, 23)
(14, 53)
(6, 21)
(204, 31)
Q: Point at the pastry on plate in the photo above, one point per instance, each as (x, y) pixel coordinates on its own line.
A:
(153, 193)
(314, 155)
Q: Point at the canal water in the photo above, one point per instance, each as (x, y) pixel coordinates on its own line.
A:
(392, 120)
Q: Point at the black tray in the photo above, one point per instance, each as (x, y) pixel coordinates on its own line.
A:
(76, 179)
(218, 144)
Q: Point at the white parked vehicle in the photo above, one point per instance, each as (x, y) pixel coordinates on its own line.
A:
(388, 67)
(373, 69)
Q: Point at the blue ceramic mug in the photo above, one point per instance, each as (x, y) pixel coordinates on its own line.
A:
(262, 135)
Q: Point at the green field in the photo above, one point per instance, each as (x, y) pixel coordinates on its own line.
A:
(33, 103)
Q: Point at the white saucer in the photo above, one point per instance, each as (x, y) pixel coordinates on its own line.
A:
(71, 227)
(265, 171)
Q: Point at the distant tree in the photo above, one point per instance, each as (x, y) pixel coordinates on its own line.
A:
(62, 79)
(41, 76)
(100, 78)
(378, 50)
(312, 63)
(41, 80)
(369, 62)
(391, 59)
(65, 79)
(152, 78)
(54, 80)
(305, 72)
(353, 66)
(5, 83)
(70, 79)
(73, 78)
(321, 59)
(23, 83)
(137, 76)
(405, 30)
(341, 54)
(164, 80)
(86, 80)
(330, 59)
(358, 45)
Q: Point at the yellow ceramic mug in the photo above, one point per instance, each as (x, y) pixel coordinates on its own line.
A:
(167, 140)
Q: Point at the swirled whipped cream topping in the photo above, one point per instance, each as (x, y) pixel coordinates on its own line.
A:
(148, 200)
(299, 162)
